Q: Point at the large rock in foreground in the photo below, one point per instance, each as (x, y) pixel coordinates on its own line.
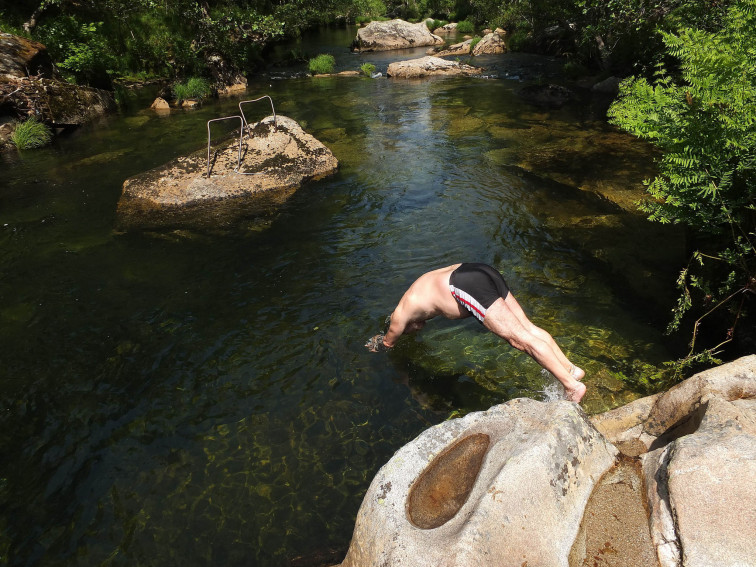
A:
(512, 485)
(394, 34)
(429, 66)
(277, 158)
(505, 487)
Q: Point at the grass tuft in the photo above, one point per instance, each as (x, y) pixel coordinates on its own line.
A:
(367, 69)
(322, 64)
(194, 88)
(31, 133)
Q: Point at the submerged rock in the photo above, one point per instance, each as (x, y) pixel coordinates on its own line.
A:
(394, 34)
(429, 66)
(553, 96)
(277, 157)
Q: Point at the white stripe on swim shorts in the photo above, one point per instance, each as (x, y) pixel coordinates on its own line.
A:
(469, 302)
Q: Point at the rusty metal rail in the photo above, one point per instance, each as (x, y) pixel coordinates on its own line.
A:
(246, 124)
(241, 133)
(243, 125)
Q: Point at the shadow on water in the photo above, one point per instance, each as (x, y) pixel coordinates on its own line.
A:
(204, 397)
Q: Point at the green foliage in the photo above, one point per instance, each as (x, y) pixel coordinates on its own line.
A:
(465, 26)
(195, 88)
(475, 41)
(364, 11)
(435, 24)
(322, 64)
(31, 133)
(704, 123)
(367, 69)
(80, 49)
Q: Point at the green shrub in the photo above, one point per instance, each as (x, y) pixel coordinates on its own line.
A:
(194, 88)
(322, 64)
(367, 69)
(435, 24)
(475, 41)
(465, 26)
(574, 70)
(31, 133)
(702, 121)
(518, 40)
(80, 50)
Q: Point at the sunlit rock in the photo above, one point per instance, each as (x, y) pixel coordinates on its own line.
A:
(462, 48)
(161, 105)
(275, 159)
(491, 44)
(533, 483)
(429, 66)
(503, 487)
(698, 447)
(447, 28)
(394, 34)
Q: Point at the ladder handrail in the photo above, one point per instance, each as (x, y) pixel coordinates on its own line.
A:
(241, 133)
(246, 124)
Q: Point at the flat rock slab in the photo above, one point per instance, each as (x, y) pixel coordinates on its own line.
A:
(277, 157)
(429, 66)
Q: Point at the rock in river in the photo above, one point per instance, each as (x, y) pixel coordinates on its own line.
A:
(277, 157)
(394, 34)
(429, 66)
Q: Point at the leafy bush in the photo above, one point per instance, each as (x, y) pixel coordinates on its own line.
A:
(465, 26)
(475, 41)
(31, 133)
(367, 69)
(81, 50)
(322, 64)
(435, 24)
(194, 88)
(704, 123)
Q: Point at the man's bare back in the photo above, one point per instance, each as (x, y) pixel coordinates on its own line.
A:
(425, 299)
(431, 295)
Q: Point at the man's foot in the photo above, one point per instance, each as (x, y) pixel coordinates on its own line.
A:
(575, 394)
(577, 373)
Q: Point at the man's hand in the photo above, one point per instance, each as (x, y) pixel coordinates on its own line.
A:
(375, 344)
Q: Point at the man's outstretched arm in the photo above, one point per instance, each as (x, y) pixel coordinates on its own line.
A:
(395, 330)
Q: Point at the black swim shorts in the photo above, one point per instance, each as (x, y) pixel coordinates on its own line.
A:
(476, 286)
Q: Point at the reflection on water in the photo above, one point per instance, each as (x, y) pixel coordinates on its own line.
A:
(205, 398)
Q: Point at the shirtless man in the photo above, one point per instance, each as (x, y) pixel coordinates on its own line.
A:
(462, 290)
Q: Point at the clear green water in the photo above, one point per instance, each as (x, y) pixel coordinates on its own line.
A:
(204, 398)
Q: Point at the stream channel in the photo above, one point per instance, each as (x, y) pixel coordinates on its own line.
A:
(204, 397)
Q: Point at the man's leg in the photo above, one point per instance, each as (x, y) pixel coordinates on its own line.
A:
(501, 320)
(514, 307)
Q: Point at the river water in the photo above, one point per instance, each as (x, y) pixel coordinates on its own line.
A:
(203, 397)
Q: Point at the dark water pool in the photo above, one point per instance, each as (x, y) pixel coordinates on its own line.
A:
(204, 398)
